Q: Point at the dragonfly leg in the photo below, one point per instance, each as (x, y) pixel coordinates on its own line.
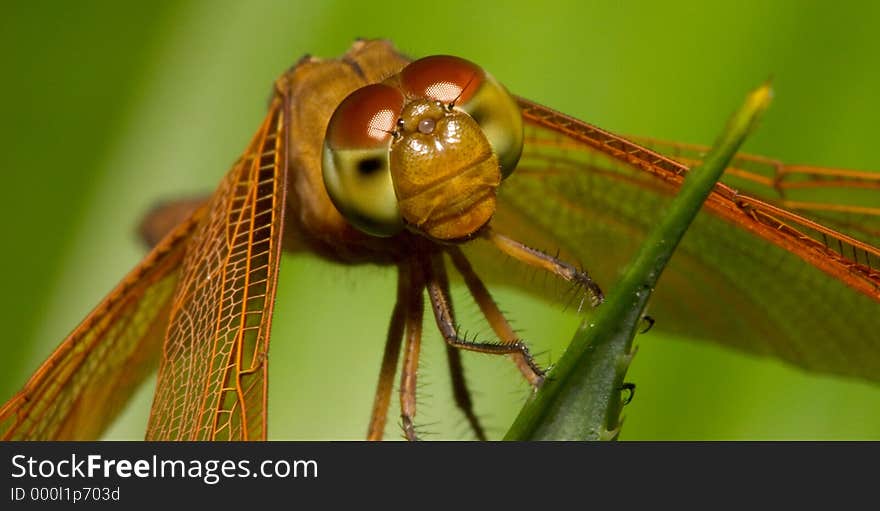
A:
(495, 317)
(381, 402)
(546, 262)
(509, 345)
(415, 306)
(461, 393)
(460, 390)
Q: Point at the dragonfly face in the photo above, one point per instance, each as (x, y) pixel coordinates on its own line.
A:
(751, 274)
(424, 150)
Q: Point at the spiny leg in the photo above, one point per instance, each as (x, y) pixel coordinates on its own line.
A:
(445, 321)
(414, 311)
(461, 393)
(546, 262)
(382, 400)
(495, 317)
(456, 371)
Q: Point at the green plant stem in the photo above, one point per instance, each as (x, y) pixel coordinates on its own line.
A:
(581, 399)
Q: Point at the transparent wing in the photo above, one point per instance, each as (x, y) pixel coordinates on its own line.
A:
(82, 386)
(212, 376)
(846, 200)
(749, 274)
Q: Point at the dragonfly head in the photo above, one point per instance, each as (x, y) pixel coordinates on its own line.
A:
(425, 150)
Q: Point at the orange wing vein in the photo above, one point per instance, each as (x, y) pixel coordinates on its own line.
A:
(85, 382)
(213, 372)
(844, 199)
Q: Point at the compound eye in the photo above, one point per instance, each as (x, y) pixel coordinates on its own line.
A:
(356, 168)
(450, 80)
(461, 84)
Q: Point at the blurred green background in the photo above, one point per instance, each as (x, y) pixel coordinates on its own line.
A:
(108, 107)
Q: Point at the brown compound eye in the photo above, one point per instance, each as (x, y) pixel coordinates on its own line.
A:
(356, 168)
(450, 80)
(461, 84)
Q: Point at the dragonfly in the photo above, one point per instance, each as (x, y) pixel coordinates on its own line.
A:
(432, 167)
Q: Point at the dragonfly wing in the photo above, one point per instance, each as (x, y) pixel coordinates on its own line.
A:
(747, 275)
(213, 373)
(846, 200)
(83, 385)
